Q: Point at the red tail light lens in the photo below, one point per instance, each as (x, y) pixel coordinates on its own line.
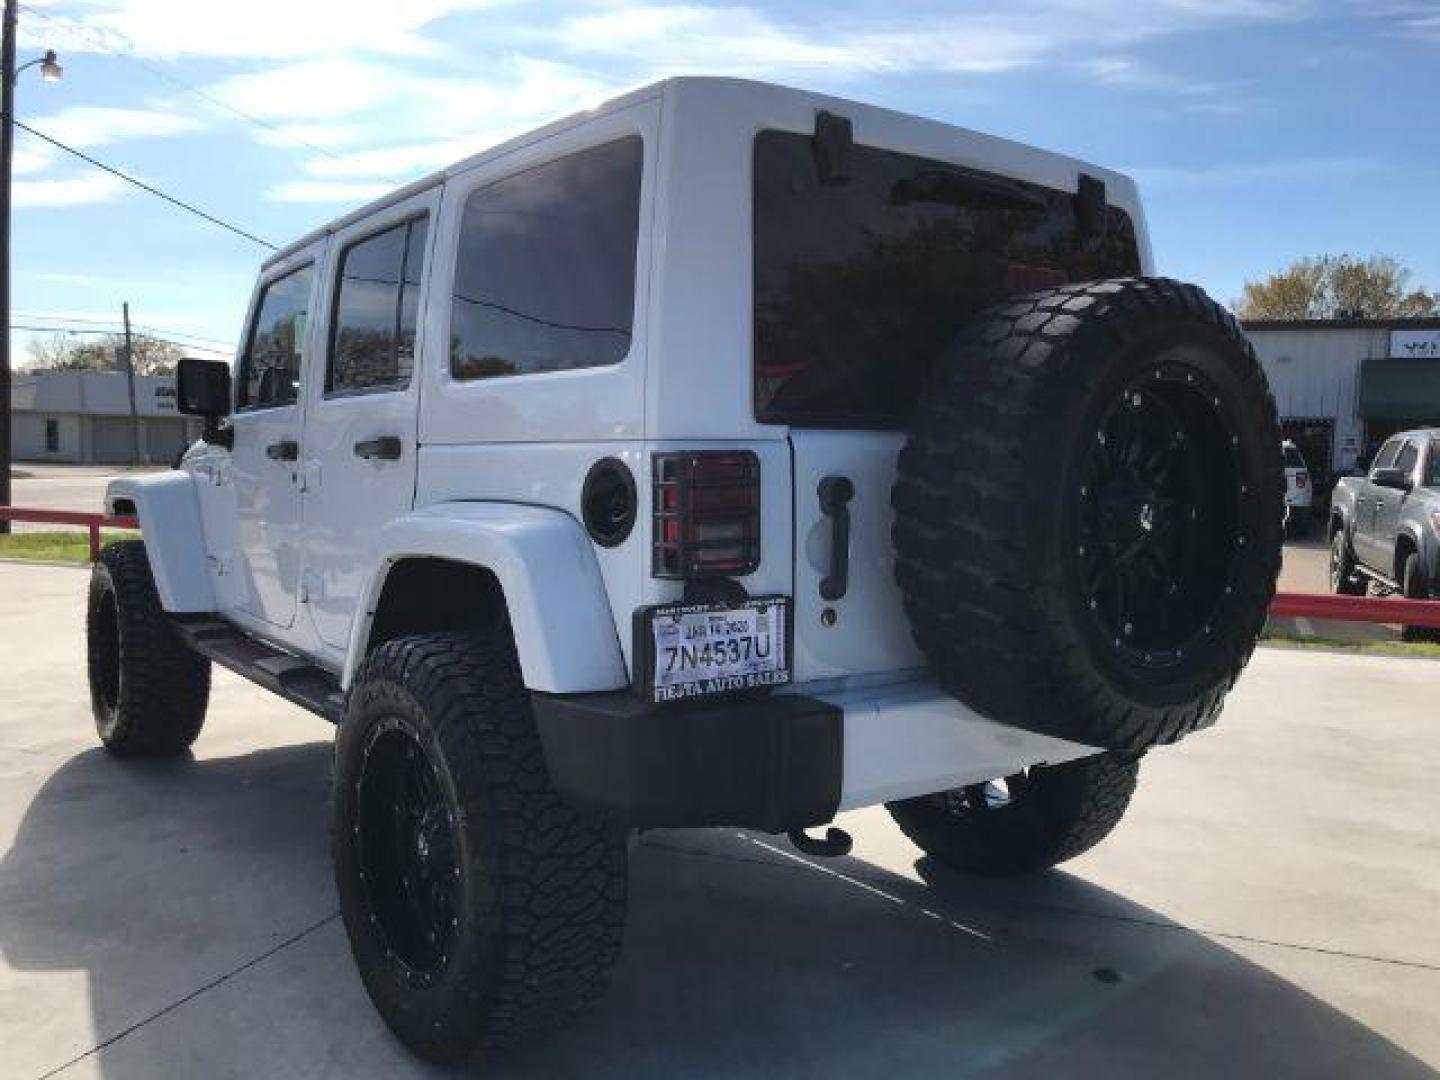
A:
(1301, 479)
(707, 513)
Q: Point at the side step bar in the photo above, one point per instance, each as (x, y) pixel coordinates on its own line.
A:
(296, 680)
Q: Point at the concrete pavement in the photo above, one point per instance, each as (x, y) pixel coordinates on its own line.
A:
(1268, 908)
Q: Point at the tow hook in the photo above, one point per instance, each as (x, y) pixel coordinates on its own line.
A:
(837, 842)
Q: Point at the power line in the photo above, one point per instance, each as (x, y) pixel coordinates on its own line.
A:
(182, 204)
(127, 54)
(148, 328)
(112, 333)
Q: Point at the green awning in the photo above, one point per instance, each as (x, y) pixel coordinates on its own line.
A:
(1400, 390)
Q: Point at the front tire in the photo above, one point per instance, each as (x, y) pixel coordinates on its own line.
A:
(1416, 587)
(480, 908)
(1344, 579)
(148, 690)
(1037, 819)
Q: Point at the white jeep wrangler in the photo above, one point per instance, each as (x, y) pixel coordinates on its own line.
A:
(726, 455)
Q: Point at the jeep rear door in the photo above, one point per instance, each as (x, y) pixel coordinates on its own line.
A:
(361, 416)
(861, 283)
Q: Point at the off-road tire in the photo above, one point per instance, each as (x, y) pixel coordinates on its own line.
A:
(539, 906)
(990, 506)
(1344, 580)
(148, 690)
(1056, 813)
(1416, 587)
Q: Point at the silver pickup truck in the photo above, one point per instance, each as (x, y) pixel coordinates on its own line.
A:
(1385, 526)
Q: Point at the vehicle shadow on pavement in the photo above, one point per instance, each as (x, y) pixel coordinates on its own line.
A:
(193, 899)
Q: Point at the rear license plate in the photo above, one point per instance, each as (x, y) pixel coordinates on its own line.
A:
(696, 650)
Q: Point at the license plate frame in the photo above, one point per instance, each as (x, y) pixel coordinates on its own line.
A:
(648, 650)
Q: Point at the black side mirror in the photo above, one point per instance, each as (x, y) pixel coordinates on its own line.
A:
(202, 388)
(1399, 479)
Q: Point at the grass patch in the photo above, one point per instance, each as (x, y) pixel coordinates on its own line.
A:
(56, 546)
(1422, 649)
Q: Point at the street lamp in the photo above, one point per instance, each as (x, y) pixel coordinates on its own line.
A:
(50, 71)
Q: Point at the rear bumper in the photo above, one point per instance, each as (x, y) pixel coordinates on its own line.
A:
(786, 761)
(771, 763)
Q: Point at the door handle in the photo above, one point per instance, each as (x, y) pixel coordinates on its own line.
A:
(284, 450)
(386, 448)
(835, 494)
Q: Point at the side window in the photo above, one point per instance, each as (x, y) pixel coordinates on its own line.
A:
(545, 275)
(1432, 465)
(270, 366)
(372, 341)
(1409, 455)
(1386, 457)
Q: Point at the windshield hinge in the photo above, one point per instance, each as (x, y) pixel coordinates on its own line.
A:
(834, 144)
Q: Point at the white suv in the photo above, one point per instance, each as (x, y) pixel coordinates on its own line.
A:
(726, 455)
(1299, 490)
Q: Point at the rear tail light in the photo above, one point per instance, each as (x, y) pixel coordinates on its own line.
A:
(707, 513)
(1301, 479)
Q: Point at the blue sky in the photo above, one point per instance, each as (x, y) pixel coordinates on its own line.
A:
(1259, 130)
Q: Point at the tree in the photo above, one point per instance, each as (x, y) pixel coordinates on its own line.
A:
(1337, 287)
(65, 352)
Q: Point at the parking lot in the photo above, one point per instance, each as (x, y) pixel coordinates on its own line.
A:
(1267, 908)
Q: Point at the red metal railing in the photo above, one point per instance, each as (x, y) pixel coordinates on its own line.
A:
(1371, 609)
(92, 522)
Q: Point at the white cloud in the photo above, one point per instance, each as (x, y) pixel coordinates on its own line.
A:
(259, 28)
(71, 191)
(1240, 175)
(353, 109)
(31, 158)
(973, 38)
(1132, 74)
(329, 191)
(97, 126)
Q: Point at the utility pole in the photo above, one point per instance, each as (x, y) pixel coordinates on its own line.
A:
(51, 70)
(130, 378)
(7, 146)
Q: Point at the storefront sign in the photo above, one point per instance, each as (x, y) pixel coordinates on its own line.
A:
(1415, 344)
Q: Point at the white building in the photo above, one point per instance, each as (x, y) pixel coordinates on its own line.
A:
(84, 417)
(1343, 385)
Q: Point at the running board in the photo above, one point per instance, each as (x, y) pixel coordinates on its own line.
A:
(1383, 580)
(296, 680)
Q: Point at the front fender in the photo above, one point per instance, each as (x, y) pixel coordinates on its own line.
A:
(559, 612)
(168, 506)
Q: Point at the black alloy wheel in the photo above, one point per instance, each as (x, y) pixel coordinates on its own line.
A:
(1159, 535)
(405, 832)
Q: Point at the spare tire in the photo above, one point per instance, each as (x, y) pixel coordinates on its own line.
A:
(1088, 512)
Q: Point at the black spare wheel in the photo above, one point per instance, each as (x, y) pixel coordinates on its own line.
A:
(1089, 512)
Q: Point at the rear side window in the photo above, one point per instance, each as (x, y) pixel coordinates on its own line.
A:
(1432, 465)
(270, 366)
(545, 276)
(372, 345)
(860, 286)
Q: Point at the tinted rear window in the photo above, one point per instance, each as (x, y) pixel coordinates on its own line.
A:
(545, 278)
(1293, 460)
(859, 287)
